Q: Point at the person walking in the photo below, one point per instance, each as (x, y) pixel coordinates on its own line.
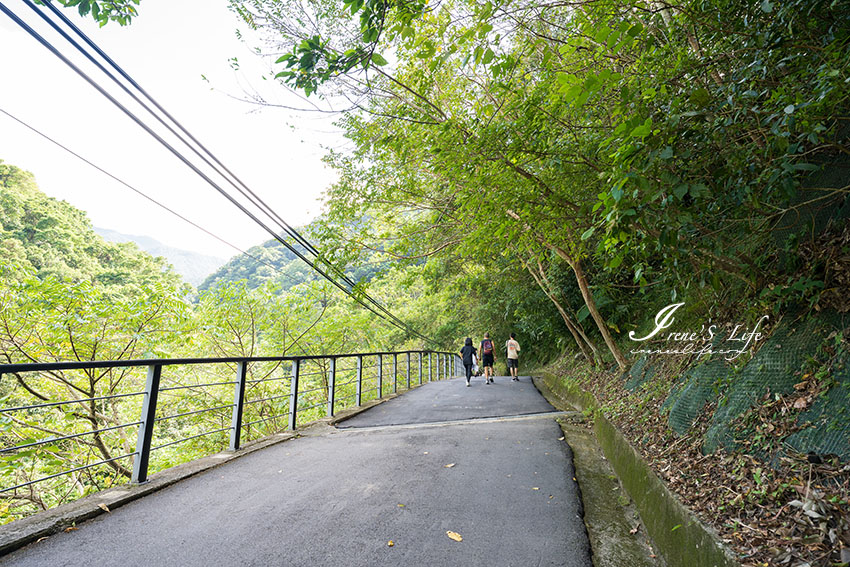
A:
(468, 355)
(488, 358)
(512, 347)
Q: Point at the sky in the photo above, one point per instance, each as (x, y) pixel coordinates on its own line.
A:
(179, 52)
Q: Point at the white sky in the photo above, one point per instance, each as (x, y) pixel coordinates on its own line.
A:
(166, 49)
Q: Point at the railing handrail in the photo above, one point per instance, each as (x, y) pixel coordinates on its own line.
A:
(84, 364)
(447, 365)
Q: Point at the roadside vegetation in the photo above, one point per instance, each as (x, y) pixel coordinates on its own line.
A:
(560, 170)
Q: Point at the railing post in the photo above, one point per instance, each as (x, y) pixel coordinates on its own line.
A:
(143, 443)
(238, 406)
(293, 394)
(420, 367)
(380, 376)
(408, 370)
(430, 373)
(439, 366)
(395, 373)
(332, 388)
(359, 394)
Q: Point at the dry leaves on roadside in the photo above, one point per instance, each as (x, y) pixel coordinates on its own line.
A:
(454, 535)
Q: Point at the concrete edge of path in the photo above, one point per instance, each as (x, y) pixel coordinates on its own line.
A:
(19, 533)
(677, 534)
(616, 533)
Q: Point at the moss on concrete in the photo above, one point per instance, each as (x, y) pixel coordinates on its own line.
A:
(678, 535)
(613, 524)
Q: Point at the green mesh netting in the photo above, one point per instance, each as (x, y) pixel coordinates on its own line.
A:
(635, 375)
(814, 216)
(773, 369)
(774, 366)
(699, 385)
(830, 419)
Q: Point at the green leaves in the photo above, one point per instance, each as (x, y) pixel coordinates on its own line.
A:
(642, 130)
(104, 11)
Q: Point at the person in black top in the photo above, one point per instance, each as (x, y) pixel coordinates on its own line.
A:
(467, 352)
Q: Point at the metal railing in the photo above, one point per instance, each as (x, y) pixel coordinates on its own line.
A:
(309, 386)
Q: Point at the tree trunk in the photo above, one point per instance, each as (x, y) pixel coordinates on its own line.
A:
(567, 321)
(573, 326)
(575, 264)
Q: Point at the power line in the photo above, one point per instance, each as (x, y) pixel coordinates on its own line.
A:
(387, 315)
(234, 181)
(241, 187)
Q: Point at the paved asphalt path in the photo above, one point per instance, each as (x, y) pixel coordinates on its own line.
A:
(338, 496)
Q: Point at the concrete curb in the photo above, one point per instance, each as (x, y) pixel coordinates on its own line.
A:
(678, 535)
(22, 532)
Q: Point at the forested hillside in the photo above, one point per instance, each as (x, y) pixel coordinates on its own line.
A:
(194, 267)
(270, 262)
(49, 239)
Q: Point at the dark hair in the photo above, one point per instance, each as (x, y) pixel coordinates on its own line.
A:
(513, 336)
(468, 341)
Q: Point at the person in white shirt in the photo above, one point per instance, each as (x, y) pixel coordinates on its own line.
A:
(512, 346)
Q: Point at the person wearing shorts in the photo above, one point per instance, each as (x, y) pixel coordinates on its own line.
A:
(512, 347)
(488, 358)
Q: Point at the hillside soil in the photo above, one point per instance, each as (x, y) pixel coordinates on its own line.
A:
(792, 510)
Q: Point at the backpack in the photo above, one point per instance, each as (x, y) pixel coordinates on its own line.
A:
(487, 346)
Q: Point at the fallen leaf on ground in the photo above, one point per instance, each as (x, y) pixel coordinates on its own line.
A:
(103, 507)
(560, 438)
(535, 488)
(390, 543)
(634, 530)
(401, 505)
(71, 529)
(450, 465)
(454, 535)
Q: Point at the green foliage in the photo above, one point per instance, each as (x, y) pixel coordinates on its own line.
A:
(657, 148)
(105, 11)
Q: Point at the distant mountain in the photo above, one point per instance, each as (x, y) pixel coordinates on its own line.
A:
(192, 266)
(277, 264)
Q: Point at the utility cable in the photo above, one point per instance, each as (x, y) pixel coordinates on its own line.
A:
(389, 316)
(241, 187)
